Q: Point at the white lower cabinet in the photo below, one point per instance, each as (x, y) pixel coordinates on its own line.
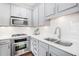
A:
(42, 21)
(43, 49)
(4, 48)
(35, 17)
(53, 51)
(39, 48)
(34, 46)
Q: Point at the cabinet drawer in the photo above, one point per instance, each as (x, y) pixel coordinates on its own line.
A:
(4, 41)
(35, 41)
(59, 52)
(43, 44)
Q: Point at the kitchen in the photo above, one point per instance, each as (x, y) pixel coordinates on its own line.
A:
(42, 29)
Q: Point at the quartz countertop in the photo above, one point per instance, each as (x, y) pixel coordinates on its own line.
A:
(74, 49)
(9, 37)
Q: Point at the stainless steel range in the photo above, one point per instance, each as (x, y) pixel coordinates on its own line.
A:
(20, 44)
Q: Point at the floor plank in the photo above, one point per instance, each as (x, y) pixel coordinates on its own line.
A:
(27, 54)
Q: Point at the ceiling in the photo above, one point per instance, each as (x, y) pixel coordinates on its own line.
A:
(30, 4)
(27, 5)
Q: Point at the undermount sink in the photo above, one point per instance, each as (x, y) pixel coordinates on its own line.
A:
(51, 39)
(64, 43)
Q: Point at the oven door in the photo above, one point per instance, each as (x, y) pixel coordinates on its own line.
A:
(21, 47)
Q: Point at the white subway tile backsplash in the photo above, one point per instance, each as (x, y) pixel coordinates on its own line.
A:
(8, 31)
(69, 27)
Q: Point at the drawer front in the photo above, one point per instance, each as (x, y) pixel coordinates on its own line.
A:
(58, 52)
(43, 44)
(4, 41)
(35, 41)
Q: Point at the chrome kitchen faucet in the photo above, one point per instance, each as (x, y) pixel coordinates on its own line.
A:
(59, 30)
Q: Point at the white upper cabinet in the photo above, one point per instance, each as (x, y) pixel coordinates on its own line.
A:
(29, 16)
(49, 9)
(41, 14)
(15, 11)
(35, 16)
(65, 6)
(4, 14)
(60, 9)
(20, 11)
(28, 13)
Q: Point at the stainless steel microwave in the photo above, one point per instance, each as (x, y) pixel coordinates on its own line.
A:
(19, 21)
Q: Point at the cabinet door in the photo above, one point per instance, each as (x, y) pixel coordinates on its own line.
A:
(22, 12)
(51, 53)
(58, 52)
(41, 14)
(5, 50)
(34, 46)
(15, 11)
(43, 49)
(18, 11)
(29, 16)
(49, 9)
(35, 16)
(65, 6)
(4, 14)
(27, 13)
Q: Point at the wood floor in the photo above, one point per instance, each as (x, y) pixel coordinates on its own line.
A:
(27, 54)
